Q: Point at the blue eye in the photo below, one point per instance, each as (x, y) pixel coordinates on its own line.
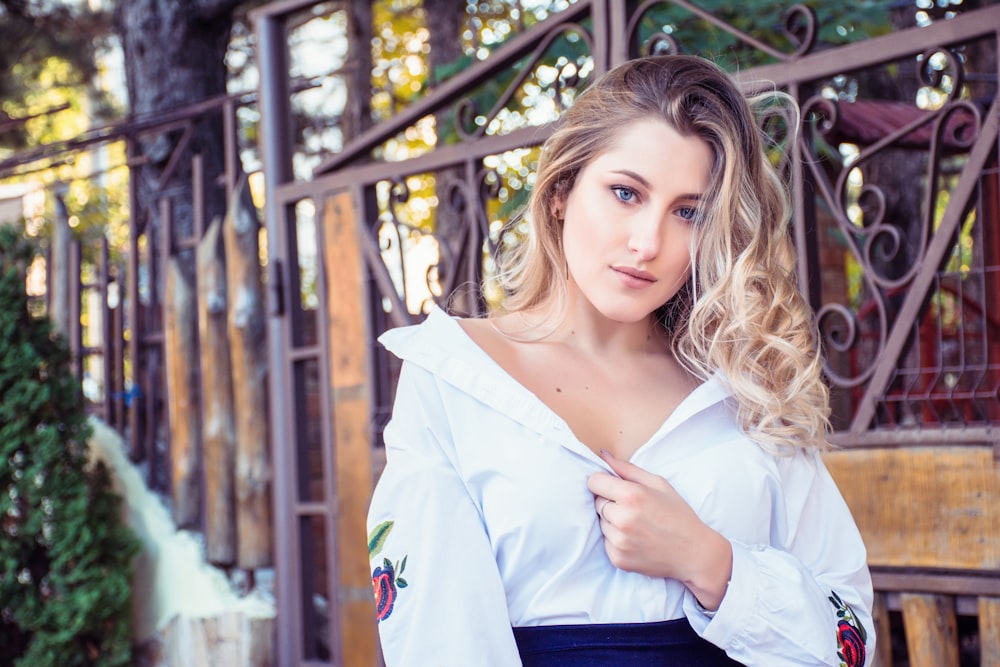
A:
(688, 212)
(623, 193)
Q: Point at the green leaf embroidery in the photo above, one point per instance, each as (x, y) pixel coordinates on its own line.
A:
(376, 538)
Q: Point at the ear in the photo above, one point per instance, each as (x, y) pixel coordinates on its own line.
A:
(558, 207)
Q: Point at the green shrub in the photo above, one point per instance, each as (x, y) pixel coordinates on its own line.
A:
(65, 556)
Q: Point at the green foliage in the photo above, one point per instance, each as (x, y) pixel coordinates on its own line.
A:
(836, 23)
(65, 557)
(48, 49)
(399, 49)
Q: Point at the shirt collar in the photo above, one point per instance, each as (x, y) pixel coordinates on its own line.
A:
(440, 346)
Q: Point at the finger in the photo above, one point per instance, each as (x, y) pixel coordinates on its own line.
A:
(612, 535)
(630, 471)
(606, 485)
(599, 503)
(609, 513)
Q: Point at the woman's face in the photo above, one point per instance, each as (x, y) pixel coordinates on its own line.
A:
(629, 220)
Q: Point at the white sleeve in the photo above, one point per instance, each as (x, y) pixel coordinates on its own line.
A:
(438, 594)
(805, 600)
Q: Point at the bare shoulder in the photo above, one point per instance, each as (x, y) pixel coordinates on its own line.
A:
(476, 328)
(490, 334)
(483, 332)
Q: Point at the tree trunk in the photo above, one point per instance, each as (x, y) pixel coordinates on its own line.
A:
(174, 57)
(357, 116)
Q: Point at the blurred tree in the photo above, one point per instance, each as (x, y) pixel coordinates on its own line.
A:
(46, 45)
(65, 555)
(357, 116)
(175, 56)
(53, 88)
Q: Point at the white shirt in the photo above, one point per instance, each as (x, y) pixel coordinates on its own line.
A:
(492, 524)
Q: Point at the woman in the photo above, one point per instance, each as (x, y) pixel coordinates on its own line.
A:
(620, 466)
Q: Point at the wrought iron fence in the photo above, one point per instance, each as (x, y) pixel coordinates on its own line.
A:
(905, 287)
(897, 207)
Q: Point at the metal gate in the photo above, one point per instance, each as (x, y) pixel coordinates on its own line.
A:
(907, 289)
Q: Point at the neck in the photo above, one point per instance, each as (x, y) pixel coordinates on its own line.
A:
(580, 326)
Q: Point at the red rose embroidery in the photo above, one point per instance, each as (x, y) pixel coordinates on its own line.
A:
(386, 578)
(852, 647)
(851, 635)
(384, 585)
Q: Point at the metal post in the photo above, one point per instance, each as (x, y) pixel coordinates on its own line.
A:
(275, 142)
(616, 47)
(107, 336)
(136, 451)
(231, 143)
(198, 194)
(59, 267)
(74, 284)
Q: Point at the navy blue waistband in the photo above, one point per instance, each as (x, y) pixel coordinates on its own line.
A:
(667, 643)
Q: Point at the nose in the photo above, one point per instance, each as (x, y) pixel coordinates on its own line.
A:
(646, 238)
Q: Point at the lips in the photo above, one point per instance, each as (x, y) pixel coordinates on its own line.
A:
(634, 278)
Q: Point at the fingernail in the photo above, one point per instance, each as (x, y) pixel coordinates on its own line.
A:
(606, 454)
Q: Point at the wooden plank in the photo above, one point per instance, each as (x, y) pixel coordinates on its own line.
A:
(962, 584)
(258, 642)
(931, 630)
(348, 337)
(989, 631)
(883, 644)
(232, 638)
(218, 430)
(935, 507)
(223, 634)
(180, 348)
(247, 330)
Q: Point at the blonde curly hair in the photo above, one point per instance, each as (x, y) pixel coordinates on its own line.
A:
(741, 313)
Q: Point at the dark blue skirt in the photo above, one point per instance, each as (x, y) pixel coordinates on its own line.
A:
(667, 644)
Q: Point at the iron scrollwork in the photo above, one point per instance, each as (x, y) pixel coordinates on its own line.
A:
(461, 236)
(875, 242)
(798, 25)
(470, 124)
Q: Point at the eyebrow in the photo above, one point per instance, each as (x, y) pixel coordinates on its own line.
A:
(642, 181)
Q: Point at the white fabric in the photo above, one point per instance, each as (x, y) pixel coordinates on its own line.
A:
(487, 489)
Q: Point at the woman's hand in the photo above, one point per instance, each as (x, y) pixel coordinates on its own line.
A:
(648, 528)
